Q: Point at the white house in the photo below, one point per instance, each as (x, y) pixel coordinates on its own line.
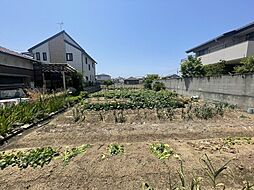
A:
(231, 46)
(61, 48)
(103, 77)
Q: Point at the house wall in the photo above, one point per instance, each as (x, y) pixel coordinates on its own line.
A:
(42, 48)
(67, 38)
(15, 72)
(103, 77)
(9, 60)
(235, 52)
(89, 73)
(77, 57)
(235, 89)
(57, 49)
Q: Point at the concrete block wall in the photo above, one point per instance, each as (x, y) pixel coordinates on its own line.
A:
(233, 89)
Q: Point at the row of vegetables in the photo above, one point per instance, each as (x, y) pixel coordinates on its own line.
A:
(136, 99)
(14, 116)
(43, 156)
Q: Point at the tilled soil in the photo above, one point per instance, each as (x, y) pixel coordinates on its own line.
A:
(190, 139)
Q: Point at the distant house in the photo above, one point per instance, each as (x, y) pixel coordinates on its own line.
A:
(16, 70)
(102, 77)
(119, 80)
(62, 49)
(173, 76)
(231, 46)
(132, 80)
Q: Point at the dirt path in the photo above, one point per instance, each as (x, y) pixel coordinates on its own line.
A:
(190, 139)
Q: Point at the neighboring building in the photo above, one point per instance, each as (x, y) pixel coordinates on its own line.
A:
(231, 46)
(102, 77)
(131, 80)
(16, 70)
(62, 49)
(173, 76)
(119, 80)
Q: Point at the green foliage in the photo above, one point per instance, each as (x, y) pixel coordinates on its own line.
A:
(161, 150)
(157, 86)
(78, 114)
(208, 111)
(238, 140)
(136, 99)
(29, 112)
(33, 158)
(192, 67)
(212, 172)
(108, 82)
(215, 69)
(77, 81)
(69, 154)
(149, 80)
(115, 149)
(247, 67)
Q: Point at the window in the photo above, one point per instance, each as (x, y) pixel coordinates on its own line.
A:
(44, 56)
(87, 78)
(93, 65)
(69, 57)
(86, 60)
(38, 56)
(89, 67)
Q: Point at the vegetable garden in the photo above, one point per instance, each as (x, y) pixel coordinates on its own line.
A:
(131, 139)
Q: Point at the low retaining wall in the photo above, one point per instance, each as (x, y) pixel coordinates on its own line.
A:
(233, 89)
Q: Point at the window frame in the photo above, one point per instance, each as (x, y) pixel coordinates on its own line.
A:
(38, 56)
(69, 57)
(44, 56)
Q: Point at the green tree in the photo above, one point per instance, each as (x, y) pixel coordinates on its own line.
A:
(149, 80)
(77, 81)
(108, 83)
(216, 69)
(247, 67)
(157, 86)
(192, 67)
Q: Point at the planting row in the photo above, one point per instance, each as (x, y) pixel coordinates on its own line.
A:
(122, 114)
(43, 156)
(30, 112)
(136, 99)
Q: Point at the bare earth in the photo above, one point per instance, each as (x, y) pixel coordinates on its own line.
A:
(191, 139)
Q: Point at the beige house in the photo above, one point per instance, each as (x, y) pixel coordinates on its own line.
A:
(62, 49)
(231, 46)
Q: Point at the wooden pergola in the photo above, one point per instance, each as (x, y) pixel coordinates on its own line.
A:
(62, 68)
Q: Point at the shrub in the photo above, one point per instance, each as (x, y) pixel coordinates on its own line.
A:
(157, 86)
(247, 67)
(149, 80)
(108, 82)
(215, 69)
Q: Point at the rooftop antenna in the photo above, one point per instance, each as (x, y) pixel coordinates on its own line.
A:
(61, 25)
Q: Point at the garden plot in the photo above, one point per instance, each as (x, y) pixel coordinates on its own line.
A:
(130, 146)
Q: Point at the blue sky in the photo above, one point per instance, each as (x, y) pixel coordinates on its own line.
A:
(125, 37)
